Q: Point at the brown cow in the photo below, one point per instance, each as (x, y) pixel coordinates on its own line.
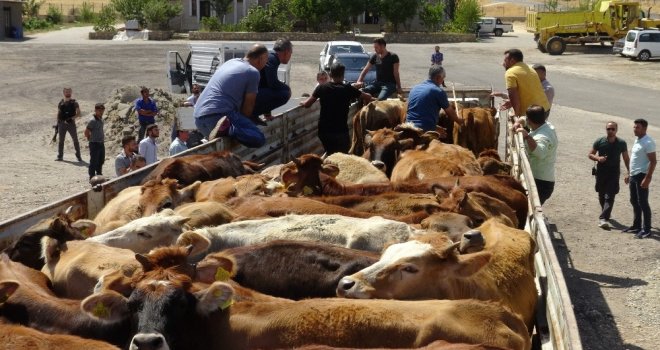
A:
(34, 305)
(294, 269)
(436, 345)
(453, 224)
(376, 115)
(437, 161)
(27, 248)
(491, 163)
(17, 337)
(479, 207)
(171, 311)
(391, 203)
(429, 267)
(205, 214)
(138, 201)
(477, 132)
(221, 190)
(201, 167)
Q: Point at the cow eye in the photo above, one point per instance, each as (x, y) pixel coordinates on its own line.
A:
(410, 269)
(144, 235)
(167, 205)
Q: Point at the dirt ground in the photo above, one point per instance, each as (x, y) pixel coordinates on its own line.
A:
(613, 279)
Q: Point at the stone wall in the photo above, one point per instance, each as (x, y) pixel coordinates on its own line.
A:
(414, 37)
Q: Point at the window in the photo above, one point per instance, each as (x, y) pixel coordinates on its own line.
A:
(643, 38)
(193, 8)
(655, 37)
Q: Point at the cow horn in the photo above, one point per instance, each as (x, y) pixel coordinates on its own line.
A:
(324, 156)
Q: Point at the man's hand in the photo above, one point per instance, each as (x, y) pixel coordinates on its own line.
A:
(358, 84)
(646, 181)
(602, 159)
(506, 104)
(626, 179)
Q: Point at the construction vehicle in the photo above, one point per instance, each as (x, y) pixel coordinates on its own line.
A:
(607, 21)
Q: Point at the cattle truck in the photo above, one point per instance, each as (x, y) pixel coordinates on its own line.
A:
(293, 133)
(606, 21)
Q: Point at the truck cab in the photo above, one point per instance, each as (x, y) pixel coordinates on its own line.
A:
(493, 25)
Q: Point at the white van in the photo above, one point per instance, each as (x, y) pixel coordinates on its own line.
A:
(642, 44)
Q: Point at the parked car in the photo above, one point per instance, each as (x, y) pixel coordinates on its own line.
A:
(493, 25)
(354, 63)
(642, 44)
(617, 48)
(334, 47)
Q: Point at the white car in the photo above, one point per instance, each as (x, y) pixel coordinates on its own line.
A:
(642, 44)
(334, 47)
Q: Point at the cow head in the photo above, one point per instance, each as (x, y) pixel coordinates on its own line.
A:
(419, 269)
(478, 206)
(453, 224)
(384, 146)
(168, 312)
(158, 195)
(305, 176)
(146, 233)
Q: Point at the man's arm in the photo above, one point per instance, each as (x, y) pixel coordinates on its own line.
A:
(451, 113)
(119, 169)
(270, 72)
(77, 111)
(88, 133)
(248, 103)
(364, 72)
(649, 174)
(599, 159)
(395, 68)
(626, 160)
(309, 102)
(514, 99)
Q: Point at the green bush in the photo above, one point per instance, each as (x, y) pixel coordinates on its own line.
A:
(54, 15)
(86, 13)
(432, 15)
(31, 7)
(130, 9)
(258, 20)
(211, 24)
(157, 13)
(34, 23)
(465, 17)
(105, 20)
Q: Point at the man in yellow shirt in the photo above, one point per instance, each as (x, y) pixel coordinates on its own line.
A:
(523, 84)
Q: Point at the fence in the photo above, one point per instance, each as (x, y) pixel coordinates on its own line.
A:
(72, 7)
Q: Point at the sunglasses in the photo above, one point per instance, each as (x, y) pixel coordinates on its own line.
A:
(610, 129)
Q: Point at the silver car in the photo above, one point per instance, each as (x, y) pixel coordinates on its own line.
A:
(333, 47)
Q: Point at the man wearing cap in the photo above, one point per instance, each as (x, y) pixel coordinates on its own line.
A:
(94, 134)
(179, 144)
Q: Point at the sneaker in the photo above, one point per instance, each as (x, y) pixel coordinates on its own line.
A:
(642, 234)
(604, 224)
(58, 159)
(80, 159)
(221, 128)
(631, 230)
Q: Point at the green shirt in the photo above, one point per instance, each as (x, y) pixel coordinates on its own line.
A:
(542, 158)
(612, 151)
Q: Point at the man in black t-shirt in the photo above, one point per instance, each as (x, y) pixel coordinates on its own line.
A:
(607, 152)
(67, 112)
(387, 72)
(336, 98)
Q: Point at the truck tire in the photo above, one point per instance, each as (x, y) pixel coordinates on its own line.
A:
(498, 32)
(555, 45)
(541, 47)
(644, 55)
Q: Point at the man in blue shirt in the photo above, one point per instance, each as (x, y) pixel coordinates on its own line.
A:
(437, 57)
(272, 92)
(426, 99)
(231, 93)
(146, 110)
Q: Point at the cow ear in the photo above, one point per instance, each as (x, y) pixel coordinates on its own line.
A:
(108, 306)
(367, 140)
(330, 170)
(190, 191)
(289, 176)
(7, 288)
(50, 249)
(406, 144)
(147, 265)
(85, 226)
(216, 297)
(215, 268)
(470, 264)
(191, 238)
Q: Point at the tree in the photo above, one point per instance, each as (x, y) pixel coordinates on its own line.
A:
(432, 15)
(31, 7)
(311, 12)
(158, 13)
(221, 7)
(340, 12)
(130, 9)
(398, 11)
(466, 15)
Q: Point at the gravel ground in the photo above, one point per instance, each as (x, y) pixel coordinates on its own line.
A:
(613, 279)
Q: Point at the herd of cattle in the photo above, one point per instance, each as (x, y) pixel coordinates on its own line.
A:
(415, 244)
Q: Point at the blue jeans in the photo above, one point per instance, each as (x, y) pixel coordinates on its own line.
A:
(380, 90)
(639, 198)
(242, 129)
(269, 99)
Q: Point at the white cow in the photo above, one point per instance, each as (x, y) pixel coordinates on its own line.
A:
(366, 234)
(143, 234)
(354, 169)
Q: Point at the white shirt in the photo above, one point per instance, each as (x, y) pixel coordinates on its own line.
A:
(149, 150)
(177, 146)
(639, 159)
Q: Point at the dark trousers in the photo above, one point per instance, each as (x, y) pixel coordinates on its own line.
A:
(62, 128)
(142, 131)
(545, 189)
(96, 158)
(606, 201)
(607, 186)
(639, 198)
(335, 142)
(380, 90)
(269, 99)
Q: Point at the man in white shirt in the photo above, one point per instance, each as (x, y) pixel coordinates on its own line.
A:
(642, 165)
(179, 144)
(148, 147)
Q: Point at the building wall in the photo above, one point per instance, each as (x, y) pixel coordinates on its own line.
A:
(15, 19)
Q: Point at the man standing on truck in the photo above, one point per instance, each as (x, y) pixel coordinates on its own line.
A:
(67, 112)
(607, 152)
(94, 134)
(523, 85)
(272, 92)
(228, 100)
(642, 164)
